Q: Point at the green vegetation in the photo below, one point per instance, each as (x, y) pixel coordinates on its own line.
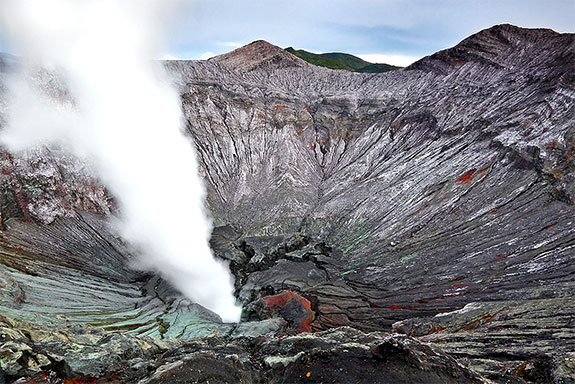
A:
(341, 61)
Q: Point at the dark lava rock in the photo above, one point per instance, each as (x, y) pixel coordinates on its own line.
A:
(342, 355)
(293, 308)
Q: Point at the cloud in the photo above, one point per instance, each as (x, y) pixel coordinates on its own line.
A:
(393, 27)
(229, 44)
(398, 60)
(169, 56)
(205, 56)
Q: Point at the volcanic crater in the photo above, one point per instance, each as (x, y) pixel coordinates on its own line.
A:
(412, 226)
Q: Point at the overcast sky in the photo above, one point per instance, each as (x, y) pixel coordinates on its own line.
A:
(406, 29)
(394, 31)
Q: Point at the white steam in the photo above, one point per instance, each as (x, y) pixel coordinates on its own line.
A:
(124, 117)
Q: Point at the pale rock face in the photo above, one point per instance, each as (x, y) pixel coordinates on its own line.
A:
(443, 188)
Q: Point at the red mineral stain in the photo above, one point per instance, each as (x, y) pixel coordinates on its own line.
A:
(435, 330)
(447, 295)
(5, 171)
(279, 106)
(283, 299)
(79, 381)
(467, 177)
(482, 171)
(549, 226)
(527, 122)
(484, 318)
(523, 214)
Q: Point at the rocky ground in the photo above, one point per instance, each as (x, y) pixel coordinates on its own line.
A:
(411, 226)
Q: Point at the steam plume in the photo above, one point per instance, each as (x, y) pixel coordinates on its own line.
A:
(125, 118)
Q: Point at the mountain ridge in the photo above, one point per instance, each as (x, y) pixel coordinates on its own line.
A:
(337, 60)
(499, 46)
(256, 55)
(481, 47)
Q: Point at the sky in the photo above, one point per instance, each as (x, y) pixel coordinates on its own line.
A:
(392, 31)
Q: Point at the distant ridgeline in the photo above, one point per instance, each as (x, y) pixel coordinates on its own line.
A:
(341, 61)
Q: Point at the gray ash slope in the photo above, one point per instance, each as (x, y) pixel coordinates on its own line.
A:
(458, 174)
(436, 201)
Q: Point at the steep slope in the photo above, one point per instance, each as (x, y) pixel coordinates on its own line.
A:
(444, 184)
(507, 47)
(435, 201)
(258, 55)
(337, 60)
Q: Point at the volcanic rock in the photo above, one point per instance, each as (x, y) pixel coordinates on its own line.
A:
(344, 355)
(434, 201)
(259, 55)
(293, 308)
